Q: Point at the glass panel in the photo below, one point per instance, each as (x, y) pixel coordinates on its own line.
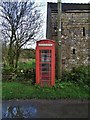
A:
(45, 65)
(45, 78)
(45, 58)
(45, 69)
(45, 55)
(45, 73)
(44, 51)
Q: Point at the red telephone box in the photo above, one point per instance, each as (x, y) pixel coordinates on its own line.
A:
(45, 62)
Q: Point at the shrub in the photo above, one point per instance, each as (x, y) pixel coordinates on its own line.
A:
(7, 72)
(24, 72)
(78, 75)
(27, 65)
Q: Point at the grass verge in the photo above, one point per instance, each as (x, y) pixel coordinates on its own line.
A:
(17, 90)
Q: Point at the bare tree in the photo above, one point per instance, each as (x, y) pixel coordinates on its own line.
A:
(21, 23)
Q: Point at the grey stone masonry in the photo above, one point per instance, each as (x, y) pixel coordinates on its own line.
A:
(75, 36)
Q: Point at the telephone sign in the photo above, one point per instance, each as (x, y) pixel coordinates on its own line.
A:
(45, 62)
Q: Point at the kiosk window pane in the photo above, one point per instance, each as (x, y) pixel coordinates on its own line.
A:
(45, 55)
(45, 51)
(45, 67)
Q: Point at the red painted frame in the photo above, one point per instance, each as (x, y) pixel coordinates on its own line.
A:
(45, 45)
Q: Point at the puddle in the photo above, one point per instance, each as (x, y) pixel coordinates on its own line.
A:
(19, 112)
(44, 109)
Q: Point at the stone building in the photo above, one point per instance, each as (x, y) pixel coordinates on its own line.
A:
(74, 29)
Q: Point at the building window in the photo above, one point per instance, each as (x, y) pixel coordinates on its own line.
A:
(73, 51)
(55, 29)
(83, 31)
(61, 27)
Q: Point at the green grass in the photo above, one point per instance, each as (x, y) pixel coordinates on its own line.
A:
(0, 90)
(17, 90)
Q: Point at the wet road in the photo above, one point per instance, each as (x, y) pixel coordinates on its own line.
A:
(45, 109)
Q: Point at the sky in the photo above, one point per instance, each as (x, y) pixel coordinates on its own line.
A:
(44, 10)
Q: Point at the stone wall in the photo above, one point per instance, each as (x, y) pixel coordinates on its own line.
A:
(75, 36)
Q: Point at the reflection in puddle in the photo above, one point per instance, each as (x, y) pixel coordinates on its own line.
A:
(19, 112)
